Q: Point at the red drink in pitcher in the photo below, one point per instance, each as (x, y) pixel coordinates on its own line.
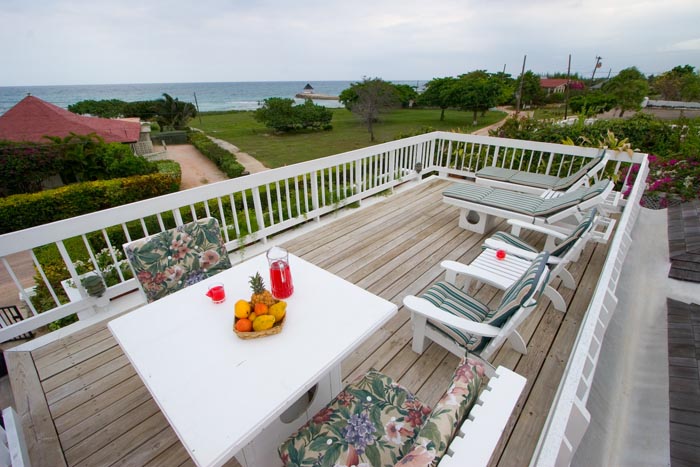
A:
(280, 276)
(281, 280)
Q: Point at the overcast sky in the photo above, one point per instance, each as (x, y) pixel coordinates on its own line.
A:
(48, 42)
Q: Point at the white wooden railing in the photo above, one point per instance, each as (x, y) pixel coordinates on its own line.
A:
(569, 418)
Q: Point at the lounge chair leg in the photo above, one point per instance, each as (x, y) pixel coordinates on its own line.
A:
(567, 279)
(517, 343)
(419, 323)
(474, 221)
(556, 298)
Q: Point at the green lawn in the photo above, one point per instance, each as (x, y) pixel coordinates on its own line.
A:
(240, 129)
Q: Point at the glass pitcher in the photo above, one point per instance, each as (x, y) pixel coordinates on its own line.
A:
(280, 276)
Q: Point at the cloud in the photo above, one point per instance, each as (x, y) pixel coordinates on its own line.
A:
(690, 44)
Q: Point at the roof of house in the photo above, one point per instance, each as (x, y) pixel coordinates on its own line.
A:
(552, 82)
(308, 86)
(31, 119)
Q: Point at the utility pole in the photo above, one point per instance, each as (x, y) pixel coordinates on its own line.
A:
(197, 104)
(504, 68)
(568, 85)
(520, 90)
(597, 65)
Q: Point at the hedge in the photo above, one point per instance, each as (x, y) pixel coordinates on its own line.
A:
(29, 210)
(221, 157)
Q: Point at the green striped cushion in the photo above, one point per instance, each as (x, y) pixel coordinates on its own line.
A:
(520, 292)
(535, 179)
(513, 201)
(512, 240)
(554, 205)
(468, 192)
(575, 235)
(496, 173)
(595, 190)
(453, 300)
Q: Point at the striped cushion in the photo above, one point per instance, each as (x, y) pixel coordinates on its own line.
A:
(453, 300)
(595, 190)
(496, 173)
(514, 201)
(535, 179)
(467, 191)
(511, 240)
(554, 205)
(563, 248)
(520, 292)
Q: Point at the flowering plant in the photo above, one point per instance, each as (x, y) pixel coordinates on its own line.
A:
(675, 178)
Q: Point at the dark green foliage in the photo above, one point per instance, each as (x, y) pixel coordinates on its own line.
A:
(174, 114)
(221, 157)
(76, 158)
(681, 83)
(476, 91)
(109, 108)
(438, 93)
(406, 94)
(283, 116)
(25, 165)
(145, 110)
(533, 94)
(628, 88)
(368, 98)
(592, 103)
(23, 211)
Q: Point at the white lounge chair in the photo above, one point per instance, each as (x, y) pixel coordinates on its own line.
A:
(537, 183)
(450, 317)
(563, 249)
(479, 205)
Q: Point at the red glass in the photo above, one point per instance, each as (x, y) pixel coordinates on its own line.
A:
(217, 293)
(281, 280)
(501, 254)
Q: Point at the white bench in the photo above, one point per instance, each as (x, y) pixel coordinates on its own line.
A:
(13, 449)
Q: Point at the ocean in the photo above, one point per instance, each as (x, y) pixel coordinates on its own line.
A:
(210, 96)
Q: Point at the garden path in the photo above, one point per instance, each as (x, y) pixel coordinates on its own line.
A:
(197, 170)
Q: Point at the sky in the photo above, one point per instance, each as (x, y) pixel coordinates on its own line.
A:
(55, 42)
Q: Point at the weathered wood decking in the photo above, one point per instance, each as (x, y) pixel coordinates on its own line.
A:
(84, 405)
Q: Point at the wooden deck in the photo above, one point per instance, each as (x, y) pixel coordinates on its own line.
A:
(83, 404)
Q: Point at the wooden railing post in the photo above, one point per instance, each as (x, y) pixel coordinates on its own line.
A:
(259, 215)
(315, 202)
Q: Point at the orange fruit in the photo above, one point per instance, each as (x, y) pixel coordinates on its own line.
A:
(244, 325)
(260, 309)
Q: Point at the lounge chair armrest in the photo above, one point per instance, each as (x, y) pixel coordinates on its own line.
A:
(430, 311)
(452, 268)
(537, 228)
(519, 252)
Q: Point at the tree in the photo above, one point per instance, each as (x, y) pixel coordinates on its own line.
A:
(476, 91)
(173, 113)
(109, 108)
(507, 84)
(532, 90)
(438, 93)
(679, 84)
(629, 88)
(369, 98)
(282, 115)
(406, 94)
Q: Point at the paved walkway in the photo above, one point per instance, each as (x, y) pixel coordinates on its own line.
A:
(197, 170)
(485, 131)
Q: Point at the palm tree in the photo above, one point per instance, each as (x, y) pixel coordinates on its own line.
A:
(173, 113)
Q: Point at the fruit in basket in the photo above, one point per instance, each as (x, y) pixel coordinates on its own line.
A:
(244, 325)
(260, 309)
(278, 310)
(260, 293)
(242, 309)
(263, 323)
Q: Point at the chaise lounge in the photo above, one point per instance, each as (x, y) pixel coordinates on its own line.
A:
(479, 205)
(537, 183)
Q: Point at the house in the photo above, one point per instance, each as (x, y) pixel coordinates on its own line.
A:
(308, 89)
(32, 119)
(558, 85)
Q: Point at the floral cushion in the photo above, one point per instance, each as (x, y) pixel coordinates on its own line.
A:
(169, 261)
(449, 413)
(372, 422)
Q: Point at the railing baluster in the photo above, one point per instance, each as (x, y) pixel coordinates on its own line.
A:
(296, 195)
(126, 232)
(19, 286)
(160, 222)
(246, 213)
(39, 268)
(143, 227)
(112, 253)
(224, 225)
(280, 207)
(270, 208)
(306, 194)
(288, 198)
(71, 268)
(234, 214)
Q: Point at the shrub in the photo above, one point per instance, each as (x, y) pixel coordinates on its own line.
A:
(283, 116)
(221, 157)
(25, 165)
(28, 210)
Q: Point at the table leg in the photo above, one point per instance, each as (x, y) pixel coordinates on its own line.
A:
(262, 451)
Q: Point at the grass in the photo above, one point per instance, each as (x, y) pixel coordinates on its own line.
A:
(549, 113)
(240, 129)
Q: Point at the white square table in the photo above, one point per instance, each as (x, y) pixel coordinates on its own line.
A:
(224, 395)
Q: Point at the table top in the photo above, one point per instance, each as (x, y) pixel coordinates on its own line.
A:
(219, 391)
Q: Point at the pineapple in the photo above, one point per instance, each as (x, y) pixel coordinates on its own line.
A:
(260, 293)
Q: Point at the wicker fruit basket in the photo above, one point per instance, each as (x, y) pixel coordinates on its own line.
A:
(275, 329)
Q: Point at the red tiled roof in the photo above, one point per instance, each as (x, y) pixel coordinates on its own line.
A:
(548, 83)
(32, 118)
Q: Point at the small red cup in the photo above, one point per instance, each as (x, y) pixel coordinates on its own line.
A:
(501, 255)
(216, 292)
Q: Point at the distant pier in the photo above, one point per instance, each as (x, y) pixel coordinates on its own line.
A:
(314, 96)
